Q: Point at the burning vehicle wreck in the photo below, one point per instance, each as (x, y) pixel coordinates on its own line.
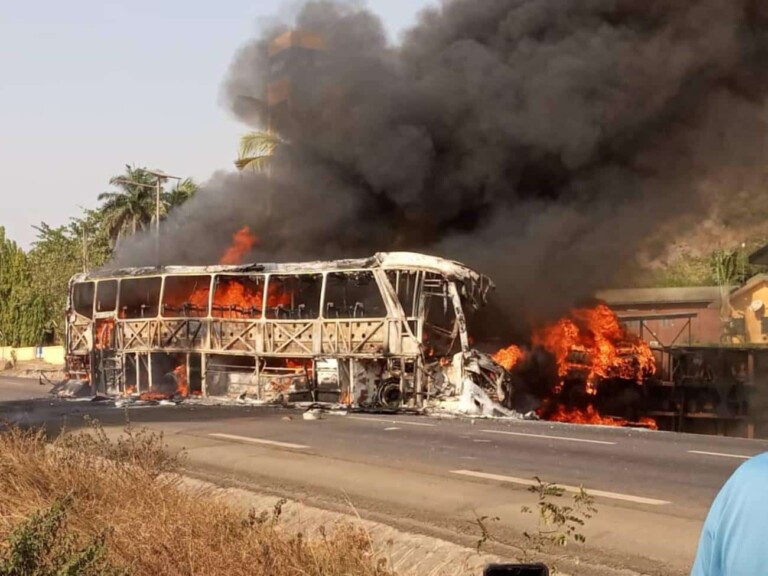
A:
(386, 332)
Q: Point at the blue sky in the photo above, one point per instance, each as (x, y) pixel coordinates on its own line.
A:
(89, 85)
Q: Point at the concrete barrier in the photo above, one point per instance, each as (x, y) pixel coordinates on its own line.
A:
(53, 354)
(49, 354)
(25, 354)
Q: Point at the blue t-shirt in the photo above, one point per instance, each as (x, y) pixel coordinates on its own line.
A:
(733, 541)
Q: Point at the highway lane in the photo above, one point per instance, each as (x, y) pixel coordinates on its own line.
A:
(685, 470)
(653, 489)
(14, 389)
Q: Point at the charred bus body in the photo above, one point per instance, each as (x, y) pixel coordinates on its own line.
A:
(386, 331)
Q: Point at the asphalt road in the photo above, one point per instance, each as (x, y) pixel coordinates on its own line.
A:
(652, 489)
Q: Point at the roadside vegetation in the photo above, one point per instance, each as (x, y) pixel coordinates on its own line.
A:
(33, 283)
(559, 523)
(715, 268)
(88, 505)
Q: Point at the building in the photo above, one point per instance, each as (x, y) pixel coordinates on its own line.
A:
(669, 316)
(748, 303)
(292, 55)
(759, 257)
(710, 378)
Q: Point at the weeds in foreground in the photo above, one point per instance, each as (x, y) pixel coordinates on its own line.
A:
(557, 524)
(42, 546)
(89, 501)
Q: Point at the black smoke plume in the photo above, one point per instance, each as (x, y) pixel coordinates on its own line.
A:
(541, 141)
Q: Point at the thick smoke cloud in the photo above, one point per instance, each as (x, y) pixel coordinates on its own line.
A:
(541, 141)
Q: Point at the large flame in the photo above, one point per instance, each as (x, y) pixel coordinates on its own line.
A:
(197, 301)
(590, 345)
(234, 297)
(593, 340)
(242, 242)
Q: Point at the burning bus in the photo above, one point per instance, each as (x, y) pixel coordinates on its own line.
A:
(386, 331)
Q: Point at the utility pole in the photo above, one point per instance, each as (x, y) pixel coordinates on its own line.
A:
(743, 258)
(160, 175)
(85, 248)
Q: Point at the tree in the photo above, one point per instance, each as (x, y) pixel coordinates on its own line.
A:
(180, 193)
(92, 236)
(687, 269)
(22, 310)
(256, 149)
(59, 253)
(34, 285)
(132, 206)
(725, 269)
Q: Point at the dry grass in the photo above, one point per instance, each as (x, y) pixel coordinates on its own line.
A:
(129, 490)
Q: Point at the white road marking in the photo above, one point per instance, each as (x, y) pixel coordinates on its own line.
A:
(574, 489)
(259, 441)
(365, 418)
(719, 454)
(564, 438)
(391, 428)
(482, 441)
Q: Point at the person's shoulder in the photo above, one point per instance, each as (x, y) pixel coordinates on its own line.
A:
(759, 461)
(755, 466)
(742, 490)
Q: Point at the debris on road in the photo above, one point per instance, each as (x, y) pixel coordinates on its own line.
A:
(314, 414)
(72, 389)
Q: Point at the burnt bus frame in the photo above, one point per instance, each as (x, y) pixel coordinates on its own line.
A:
(396, 339)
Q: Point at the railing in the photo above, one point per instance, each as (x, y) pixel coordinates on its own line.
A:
(353, 337)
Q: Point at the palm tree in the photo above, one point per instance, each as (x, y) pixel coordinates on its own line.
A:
(132, 206)
(256, 149)
(180, 193)
(725, 271)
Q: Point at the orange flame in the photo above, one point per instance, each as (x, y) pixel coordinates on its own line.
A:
(104, 330)
(182, 383)
(198, 299)
(242, 242)
(592, 416)
(602, 347)
(508, 357)
(234, 297)
(588, 416)
(592, 344)
(154, 396)
(299, 366)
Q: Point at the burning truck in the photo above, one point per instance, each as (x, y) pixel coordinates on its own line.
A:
(387, 332)
(585, 368)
